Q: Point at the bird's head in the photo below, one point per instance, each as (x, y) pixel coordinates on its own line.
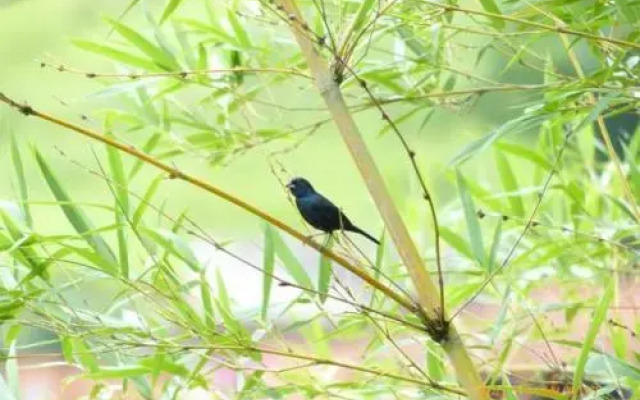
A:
(300, 187)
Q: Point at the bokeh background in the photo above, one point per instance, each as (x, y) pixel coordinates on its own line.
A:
(35, 30)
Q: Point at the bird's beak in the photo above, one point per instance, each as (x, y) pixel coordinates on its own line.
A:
(289, 186)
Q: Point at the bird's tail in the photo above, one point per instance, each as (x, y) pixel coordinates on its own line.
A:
(365, 234)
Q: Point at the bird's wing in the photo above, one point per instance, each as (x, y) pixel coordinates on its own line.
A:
(332, 214)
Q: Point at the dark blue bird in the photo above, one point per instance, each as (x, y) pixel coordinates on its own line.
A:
(320, 212)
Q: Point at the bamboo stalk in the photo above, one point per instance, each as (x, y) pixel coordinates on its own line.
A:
(426, 290)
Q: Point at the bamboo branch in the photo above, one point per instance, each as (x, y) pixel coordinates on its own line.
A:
(176, 74)
(175, 173)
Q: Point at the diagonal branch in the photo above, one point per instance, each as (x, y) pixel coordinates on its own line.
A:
(174, 173)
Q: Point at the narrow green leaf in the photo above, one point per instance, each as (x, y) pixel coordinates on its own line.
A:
(241, 35)
(519, 124)
(11, 365)
(289, 261)
(474, 148)
(490, 6)
(207, 303)
(411, 40)
(600, 106)
(236, 62)
(378, 265)
(119, 185)
(456, 241)
(21, 248)
(66, 344)
(598, 363)
(525, 153)
(212, 28)
(599, 315)
(501, 319)
(509, 184)
(203, 58)
(119, 372)
(223, 303)
(85, 356)
(361, 15)
(115, 54)
(435, 365)
(485, 196)
(156, 53)
(495, 245)
(268, 264)
(380, 254)
(223, 296)
(324, 273)
(77, 219)
(129, 7)
(473, 227)
(118, 176)
(169, 9)
(146, 200)
(173, 244)
(22, 182)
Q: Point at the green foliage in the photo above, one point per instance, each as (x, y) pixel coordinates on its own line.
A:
(538, 223)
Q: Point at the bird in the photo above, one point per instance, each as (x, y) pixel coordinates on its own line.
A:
(319, 211)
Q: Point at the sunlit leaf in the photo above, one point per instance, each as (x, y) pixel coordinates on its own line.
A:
(77, 218)
(268, 264)
(171, 6)
(599, 315)
(473, 227)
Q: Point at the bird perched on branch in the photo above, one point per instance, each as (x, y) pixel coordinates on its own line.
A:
(319, 211)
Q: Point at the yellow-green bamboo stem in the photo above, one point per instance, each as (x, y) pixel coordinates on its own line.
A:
(426, 290)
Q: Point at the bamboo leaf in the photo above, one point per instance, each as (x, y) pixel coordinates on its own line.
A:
(171, 6)
(147, 148)
(525, 153)
(115, 54)
(473, 227)
(509, 183)
(291, 264)
(22, 182)
(21, 248)
(324, 273)
(223, 303)
(268, 264)
(119, 372)
(174, 244)
(207, 303)
(241, 34)
(11, 364)
(599, 315)
(77, 219)
(146, 200)
(161, 58)
(456, 241)
(490, 6)
(519, 124)
(361, 15)
(495, 245)
(119, 185)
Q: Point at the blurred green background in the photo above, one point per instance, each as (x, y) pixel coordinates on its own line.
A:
(36, 30)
